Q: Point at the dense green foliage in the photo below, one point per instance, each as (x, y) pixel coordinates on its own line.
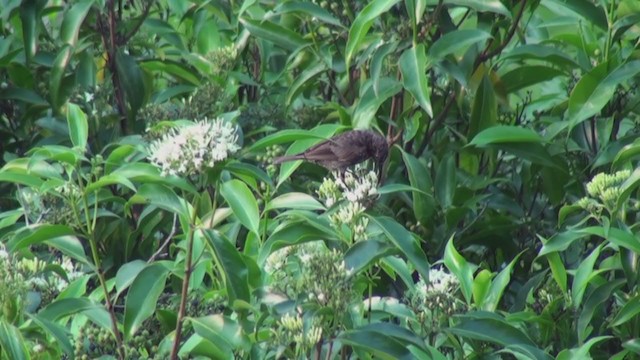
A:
(142, 217)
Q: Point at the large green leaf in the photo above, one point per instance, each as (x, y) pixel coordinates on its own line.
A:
(78, 126)
(222, 331)
(583, 276)
(309, 8)
(12, 343)
(361, 25)
(462, 269)
(380, 345)
(423, 202)
(456, 41)
(528, 75)
(413, 66)
(494, 6)
(596, 88)
(405, 242)
(275, 33)
(484, 112)
(505, 134)
(131, 78)
(231, 266)
(72, 21)
(368, 105)
(243, 204)
(142, 296)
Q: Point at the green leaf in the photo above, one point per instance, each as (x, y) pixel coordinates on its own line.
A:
(527, 75)
(131, 78)
(423, 202)
(161, 196)
(309, 8)
(582, 351)
(405, 242)
(363, 253)
(596, 88)
(73, 21)
(494, 6)
(460, 268)
(294, 200)
(629, 310)
(446, 182)
(377, 61)
(590, 11)
(481, 284)
(368, 105)
(558, 270)
(58, 332)
(78, 126)
(361, 25)
(127, 273)
(57, 74)
(148, 173)
(498, 285)
(523, 142)
(304, 80)
(222, 331)
(380, 345)
(456, 41)
(413, 66)
(492, 328)
(62, 308)
(107, 180)
(484, 112)
(583, 275)
(243, 204)
(274, 33)
(231, 266)
(29, 13)
(542, 52)
(142, 296)
(12, 343)
(60, 237)
(284, 136)
(602, 294)
(627, 153)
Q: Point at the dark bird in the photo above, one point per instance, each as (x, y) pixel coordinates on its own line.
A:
(345, 150)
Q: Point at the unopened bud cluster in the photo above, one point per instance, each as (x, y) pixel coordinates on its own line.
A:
(314, 270)
(604, 192)
(189, 149)
(299, 332)
(53, 206)
(13, 290)
(354, 191)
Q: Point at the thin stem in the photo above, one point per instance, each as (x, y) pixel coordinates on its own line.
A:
(90, 226)
(185, 286)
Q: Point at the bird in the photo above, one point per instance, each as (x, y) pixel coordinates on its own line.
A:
(344, 150)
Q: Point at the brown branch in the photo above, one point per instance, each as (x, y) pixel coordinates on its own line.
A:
(486, 54)
(435, 124)
(134, 30)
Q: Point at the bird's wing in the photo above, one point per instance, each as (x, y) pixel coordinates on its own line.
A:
(320, 152)
(348, 152)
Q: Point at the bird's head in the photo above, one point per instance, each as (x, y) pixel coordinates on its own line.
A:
(380, 151)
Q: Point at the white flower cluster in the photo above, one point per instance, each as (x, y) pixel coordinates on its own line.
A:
(439, 282)
(358, 189)
(187, 150)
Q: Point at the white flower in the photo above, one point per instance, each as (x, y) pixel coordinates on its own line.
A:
(187, 150)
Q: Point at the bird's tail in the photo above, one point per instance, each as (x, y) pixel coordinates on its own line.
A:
(282, 159)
